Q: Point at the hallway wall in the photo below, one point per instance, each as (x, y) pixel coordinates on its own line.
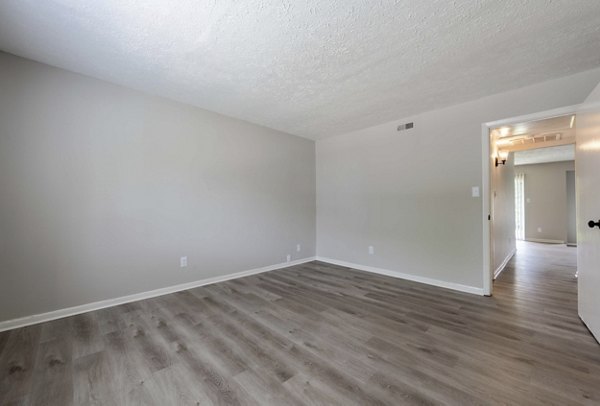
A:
(546, 214)
(503, 213)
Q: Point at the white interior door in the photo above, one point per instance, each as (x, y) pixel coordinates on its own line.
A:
(588, 209)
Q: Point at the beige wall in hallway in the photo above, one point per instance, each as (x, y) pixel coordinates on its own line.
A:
(546, 200)
(104, 188)
(503, 239)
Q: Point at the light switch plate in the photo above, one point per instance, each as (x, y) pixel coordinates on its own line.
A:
(475, 191)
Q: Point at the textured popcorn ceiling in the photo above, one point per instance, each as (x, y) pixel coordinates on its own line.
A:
(311, 68)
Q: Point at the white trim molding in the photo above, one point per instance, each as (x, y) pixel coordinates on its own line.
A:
(500, 268)
(72, 311)
(488, 274)
(486, 209)
(557, 112)
(395, 274)
(544, 241)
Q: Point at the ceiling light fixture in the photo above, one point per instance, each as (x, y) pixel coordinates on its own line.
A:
(504, 131)
(520, 129)
(572, 121)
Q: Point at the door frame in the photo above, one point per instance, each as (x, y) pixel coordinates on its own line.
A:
(487, 163)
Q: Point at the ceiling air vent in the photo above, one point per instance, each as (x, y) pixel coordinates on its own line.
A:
(406, 126)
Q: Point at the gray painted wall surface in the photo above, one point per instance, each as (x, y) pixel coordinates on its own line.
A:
(104, 188)
(546, 200)
(408, 193)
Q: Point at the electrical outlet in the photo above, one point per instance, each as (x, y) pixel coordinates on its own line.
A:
(298, 248)
(183, 262)
(371, 250)
(539, 229)
(288, 258)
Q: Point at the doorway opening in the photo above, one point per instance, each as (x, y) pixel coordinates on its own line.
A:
(529, 169)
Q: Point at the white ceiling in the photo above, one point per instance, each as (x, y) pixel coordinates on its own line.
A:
(544, 155)
(310, 68)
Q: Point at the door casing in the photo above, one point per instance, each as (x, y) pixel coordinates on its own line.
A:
(487, 163)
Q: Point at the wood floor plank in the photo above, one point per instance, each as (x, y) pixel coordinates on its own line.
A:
(3, 340)
(94, 380)
(17, 363)
(85, 335)
(53, 374)
(266, 390)
(127, 367)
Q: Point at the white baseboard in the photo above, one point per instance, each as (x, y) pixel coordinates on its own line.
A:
(71, 311)
(500, 268)
(542, 240)
(414, 278)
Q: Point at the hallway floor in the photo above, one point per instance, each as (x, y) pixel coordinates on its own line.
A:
(538, 289)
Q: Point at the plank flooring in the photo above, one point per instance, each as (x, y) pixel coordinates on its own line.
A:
(320, 334)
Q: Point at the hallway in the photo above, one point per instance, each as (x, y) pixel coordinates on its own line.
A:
(543, 275)
(538, 292)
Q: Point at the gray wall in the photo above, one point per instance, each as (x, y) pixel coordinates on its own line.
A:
(104, 188)
(546, 200)
(503, 241)
(409, 193)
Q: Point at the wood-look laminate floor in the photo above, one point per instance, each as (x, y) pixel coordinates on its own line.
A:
(320, 334)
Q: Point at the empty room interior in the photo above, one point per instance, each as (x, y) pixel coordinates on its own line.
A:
(299, 203)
